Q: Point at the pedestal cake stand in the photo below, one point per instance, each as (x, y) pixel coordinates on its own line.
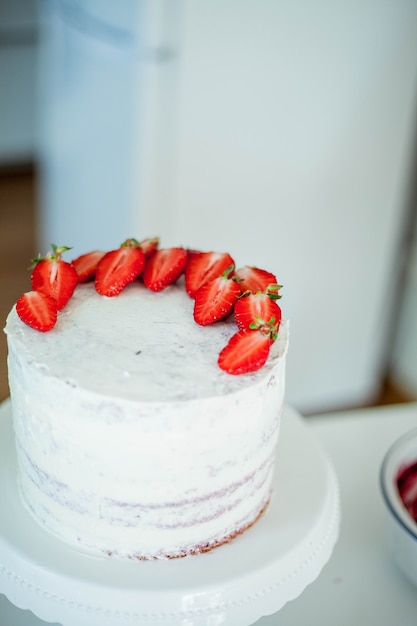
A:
(235, 584)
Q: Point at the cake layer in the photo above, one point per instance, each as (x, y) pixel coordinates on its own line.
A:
(130, 440)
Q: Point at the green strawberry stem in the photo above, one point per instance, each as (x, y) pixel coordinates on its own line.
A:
(272, 291)
(130, 243)
(53, 255)
(267, 328)
(228, 271)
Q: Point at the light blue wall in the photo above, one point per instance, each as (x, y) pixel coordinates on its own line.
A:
(91, 56)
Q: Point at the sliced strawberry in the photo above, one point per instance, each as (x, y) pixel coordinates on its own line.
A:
(54, 277)
(149, 245)
(119, 267)
(407, 487)
(254, 279)
(247, 351)
(192, 252)
(203, 267)
(255, 309)
(216, 299)
(86, 265)
(164, 267)
(37, 310)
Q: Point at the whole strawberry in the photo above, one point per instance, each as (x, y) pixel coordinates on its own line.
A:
(54, 277)
(119, 267)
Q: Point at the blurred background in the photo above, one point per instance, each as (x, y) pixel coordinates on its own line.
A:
(282, 132)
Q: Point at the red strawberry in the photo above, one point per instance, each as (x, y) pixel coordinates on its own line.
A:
(86, 265)
(254, 279)
(247, 351)
(149, 245)
(215, 299)
(119, 267)
(191, 252)
(164, 267)
(407, 487)
(37, 310)
(54, 277)
(203, 267)
(255, 309)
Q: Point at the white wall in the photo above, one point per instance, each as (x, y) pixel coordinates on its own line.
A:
(91, 58)
(404, 358)
(295, 122)
(279, 131)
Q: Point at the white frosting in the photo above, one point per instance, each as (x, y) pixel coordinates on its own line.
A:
(130, 439)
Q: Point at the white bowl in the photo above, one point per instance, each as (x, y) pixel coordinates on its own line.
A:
(402, 529)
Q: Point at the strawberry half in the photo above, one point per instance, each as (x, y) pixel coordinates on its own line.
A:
(191, 252)
(216, 299)
(256, 309)
(202, 267)
(37, 310)
(246, 351)
(164, 267)
(149, 245)
(54, 277)
(118, 268)
(86, 265)
(254, 279)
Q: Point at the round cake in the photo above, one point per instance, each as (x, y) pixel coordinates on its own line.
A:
(131, 441)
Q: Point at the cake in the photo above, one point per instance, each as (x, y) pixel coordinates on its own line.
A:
(131, 440)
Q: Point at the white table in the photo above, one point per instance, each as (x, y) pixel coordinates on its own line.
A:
(360, 585)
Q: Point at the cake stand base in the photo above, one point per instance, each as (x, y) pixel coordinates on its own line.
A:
(235, 584)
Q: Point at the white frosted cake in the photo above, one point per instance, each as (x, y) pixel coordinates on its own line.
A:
(131, 441)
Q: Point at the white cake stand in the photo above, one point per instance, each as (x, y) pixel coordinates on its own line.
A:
(236, 584)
